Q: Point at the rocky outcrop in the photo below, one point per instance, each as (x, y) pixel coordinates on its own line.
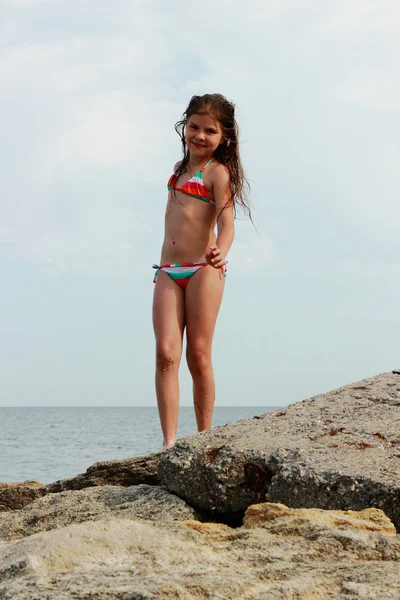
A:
(16, 495)
(147, 528)
(126, 472)
(278, 554)
(339, 450)
(142, 502)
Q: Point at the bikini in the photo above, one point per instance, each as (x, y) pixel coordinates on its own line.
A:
(182, 273)
(194, 187)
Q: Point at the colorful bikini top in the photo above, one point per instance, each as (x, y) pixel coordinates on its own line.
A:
(194, 187)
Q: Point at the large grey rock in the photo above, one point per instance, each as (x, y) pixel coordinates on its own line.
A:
(278, 554)
(55, 511)
(339, 450)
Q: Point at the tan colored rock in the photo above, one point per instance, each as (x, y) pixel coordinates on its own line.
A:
(213, 531)
(122, 559)
(370, 519)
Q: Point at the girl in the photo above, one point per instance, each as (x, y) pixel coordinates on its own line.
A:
(204, 190)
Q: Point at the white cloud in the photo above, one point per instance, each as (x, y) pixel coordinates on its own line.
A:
(90, 93)
(81, 102)
(113, 129)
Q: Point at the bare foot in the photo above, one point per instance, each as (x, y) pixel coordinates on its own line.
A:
(168, 444)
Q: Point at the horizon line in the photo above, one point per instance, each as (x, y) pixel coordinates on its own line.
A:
(132, 406)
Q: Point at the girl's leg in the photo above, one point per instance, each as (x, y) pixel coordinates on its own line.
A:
(168, 323)
(203, 296)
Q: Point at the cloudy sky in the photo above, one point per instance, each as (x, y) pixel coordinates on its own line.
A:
(90, 92)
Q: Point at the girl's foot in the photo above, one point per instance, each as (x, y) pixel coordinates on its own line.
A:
(168, 444)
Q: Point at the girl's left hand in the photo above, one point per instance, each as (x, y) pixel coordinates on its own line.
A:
(214, 257)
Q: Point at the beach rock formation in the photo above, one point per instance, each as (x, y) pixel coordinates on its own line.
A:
(278, 554)
(339, 450)
(125, 472)
(299, 504)
(55, 511)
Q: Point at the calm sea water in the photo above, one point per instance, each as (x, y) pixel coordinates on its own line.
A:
(47, 444)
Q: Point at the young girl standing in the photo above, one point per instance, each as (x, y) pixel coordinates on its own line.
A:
(204, 191)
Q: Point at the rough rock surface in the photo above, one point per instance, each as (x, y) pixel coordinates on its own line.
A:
(339, 450)
(306, 520)
(55, 511)
(16, 495)
(126, 472)
(281, 555)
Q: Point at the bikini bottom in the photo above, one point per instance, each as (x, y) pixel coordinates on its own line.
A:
(182, 273)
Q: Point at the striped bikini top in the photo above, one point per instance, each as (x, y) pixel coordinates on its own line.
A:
(194, 187)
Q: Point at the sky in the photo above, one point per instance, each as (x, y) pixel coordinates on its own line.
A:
(90, 93)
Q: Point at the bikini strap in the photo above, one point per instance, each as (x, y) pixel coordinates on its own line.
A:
(206, 165)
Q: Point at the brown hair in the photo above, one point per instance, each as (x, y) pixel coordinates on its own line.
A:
(227, 153)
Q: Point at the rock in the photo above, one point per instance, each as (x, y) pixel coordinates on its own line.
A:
(289, 554)
(339, 450)
(55, 511)
(126, 472)
(16, 495)
(278, 518)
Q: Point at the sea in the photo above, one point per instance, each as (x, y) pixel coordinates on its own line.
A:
(50, 443)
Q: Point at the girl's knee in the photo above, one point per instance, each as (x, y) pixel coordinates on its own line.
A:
(167, 356)
(198, 359)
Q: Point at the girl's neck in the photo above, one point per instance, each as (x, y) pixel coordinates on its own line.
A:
(194, 164)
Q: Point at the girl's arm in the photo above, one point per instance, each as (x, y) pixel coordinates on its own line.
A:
(225, 213)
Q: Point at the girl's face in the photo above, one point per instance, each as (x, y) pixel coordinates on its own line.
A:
(203, 135)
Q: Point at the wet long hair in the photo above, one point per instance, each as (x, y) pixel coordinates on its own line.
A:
(227, 153)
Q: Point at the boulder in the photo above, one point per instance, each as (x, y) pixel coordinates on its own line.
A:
(125, 472)
(278, 554)
(339, 450)
(55, 511)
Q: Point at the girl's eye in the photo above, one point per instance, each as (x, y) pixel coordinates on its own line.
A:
(211, 131)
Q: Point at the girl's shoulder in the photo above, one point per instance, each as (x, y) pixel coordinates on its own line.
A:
(177, 164)
(218, 171)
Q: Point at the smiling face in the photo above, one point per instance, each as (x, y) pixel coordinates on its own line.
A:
(203, 135)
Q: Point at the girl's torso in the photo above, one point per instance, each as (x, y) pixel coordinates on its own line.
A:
(190, 217)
